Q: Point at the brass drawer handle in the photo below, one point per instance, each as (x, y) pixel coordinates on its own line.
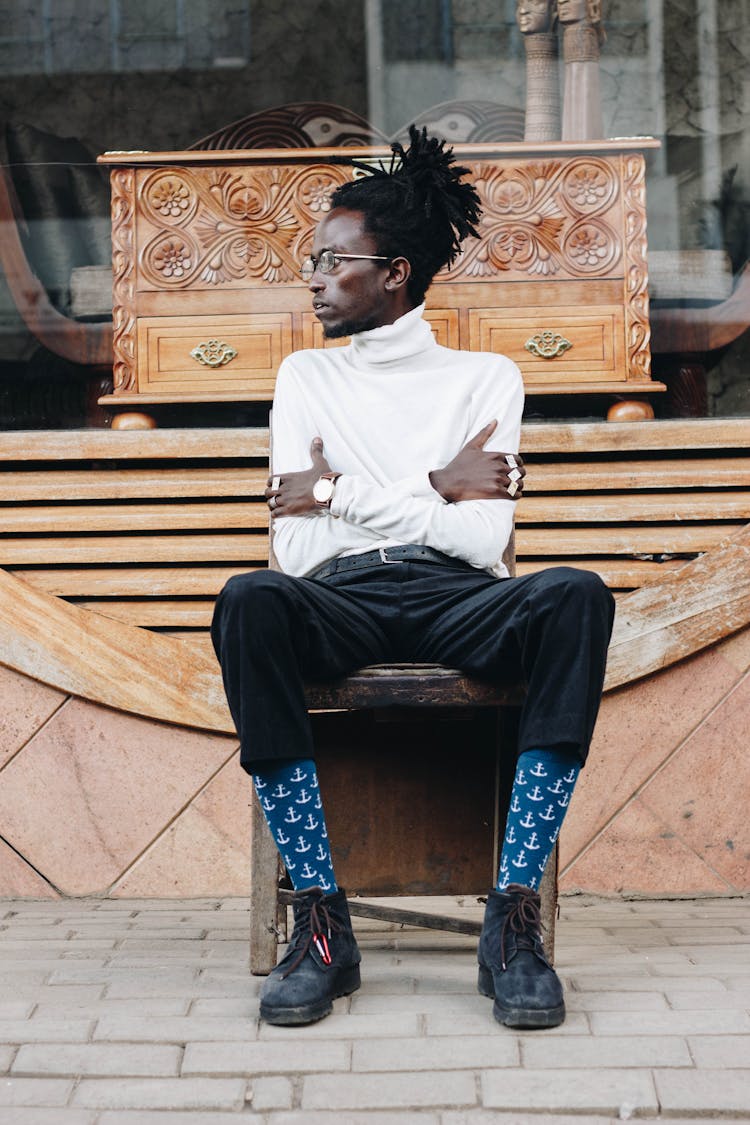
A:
(547, 344)
(213, 353)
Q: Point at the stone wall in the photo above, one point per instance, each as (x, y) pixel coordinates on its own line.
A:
(96, 802)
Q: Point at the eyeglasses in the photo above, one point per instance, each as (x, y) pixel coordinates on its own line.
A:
(328, 261)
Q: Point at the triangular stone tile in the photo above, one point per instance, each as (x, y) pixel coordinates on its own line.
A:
(18, 880)
(27, 705)
(638, 853)
(736, 649)
(702, 793)
(95, 787)
(638, 728)
(205, 851)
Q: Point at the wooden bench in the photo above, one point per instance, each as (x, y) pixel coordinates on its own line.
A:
(145, 528)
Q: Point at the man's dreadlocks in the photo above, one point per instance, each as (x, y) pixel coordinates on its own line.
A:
(416, 208)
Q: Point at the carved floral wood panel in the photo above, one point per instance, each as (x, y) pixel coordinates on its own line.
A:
(549, 219)
(221, 227)
(231, 227)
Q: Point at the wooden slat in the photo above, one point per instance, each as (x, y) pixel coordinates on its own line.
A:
(134, 549)
(119, 483)
(67, 518)
(134, 670)
(634, 507)
(103, 445)
(654, 539)
(600, 437)
(85, 654)
(702, 602)
(620, 574)
(537, 437)
(588, 476)
(123, 582)
(155, 613)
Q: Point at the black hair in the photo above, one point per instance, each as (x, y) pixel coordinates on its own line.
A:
(416, 208)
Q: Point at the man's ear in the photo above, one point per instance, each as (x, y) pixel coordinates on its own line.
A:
(398, 274)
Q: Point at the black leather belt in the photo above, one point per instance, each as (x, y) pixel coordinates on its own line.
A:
(406, 553)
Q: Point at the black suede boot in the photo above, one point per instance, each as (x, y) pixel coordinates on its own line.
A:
(321, 963)
(513, 967)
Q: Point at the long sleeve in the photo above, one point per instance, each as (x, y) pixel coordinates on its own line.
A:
(384, 431)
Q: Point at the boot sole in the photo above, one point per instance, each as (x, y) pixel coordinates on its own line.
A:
(348, 981)
(527, 1018)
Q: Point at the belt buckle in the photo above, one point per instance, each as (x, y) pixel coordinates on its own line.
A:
(383, 559)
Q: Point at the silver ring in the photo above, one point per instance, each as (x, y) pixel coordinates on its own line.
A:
(276, 484)
(511, 461)
(514, 474)
(272, 502)
(512, 488)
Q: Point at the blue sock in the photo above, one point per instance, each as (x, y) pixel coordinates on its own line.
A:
(542, 789)
(290, 798)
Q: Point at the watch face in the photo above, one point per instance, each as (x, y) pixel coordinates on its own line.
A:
(323, 490)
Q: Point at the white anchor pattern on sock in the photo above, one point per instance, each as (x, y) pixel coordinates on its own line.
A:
(542, 789)
(289, 795)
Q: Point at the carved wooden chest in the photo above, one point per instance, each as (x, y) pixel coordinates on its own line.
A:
(208, 299)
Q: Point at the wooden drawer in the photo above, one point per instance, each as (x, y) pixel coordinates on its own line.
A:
(555, 344)
(218, 355)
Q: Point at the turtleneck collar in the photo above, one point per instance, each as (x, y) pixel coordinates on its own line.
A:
(391, 343)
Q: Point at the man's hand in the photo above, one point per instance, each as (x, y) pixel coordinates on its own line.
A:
(291, 494)
(479, 474)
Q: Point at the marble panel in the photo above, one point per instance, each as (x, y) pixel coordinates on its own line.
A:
(639, 854)
(736, 650)
(27, 704)
(702, 794)
(206, 850)
(18, 880)
(638, 728)
(92, 790)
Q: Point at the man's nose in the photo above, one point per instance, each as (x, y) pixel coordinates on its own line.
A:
(316, 282)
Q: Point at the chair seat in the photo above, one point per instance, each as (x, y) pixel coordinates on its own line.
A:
(411, 685)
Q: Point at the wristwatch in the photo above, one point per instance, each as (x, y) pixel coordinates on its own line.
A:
(324, 489)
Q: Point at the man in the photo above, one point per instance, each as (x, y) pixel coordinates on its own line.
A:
(390, 495)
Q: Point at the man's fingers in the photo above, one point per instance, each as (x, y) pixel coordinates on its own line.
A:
(479, 439)
(316, 447)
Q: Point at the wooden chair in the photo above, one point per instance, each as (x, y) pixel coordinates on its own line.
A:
(422, 849)
(406, 839)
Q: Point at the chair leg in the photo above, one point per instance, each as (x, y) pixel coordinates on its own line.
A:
(548, 894)
(264, 891)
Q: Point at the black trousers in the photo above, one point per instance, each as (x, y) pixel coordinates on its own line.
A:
(272, 632)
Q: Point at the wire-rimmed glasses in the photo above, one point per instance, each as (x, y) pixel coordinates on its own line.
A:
(328, 261)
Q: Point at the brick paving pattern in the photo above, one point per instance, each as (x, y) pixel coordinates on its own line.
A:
(144, 1012)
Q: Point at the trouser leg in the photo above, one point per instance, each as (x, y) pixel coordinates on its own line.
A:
(271, 632)
(550, 629)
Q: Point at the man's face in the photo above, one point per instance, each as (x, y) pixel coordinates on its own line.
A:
(352, 297)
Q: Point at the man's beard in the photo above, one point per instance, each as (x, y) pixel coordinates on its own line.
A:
(349, 327)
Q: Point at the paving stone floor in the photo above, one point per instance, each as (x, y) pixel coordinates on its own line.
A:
(144, 1012)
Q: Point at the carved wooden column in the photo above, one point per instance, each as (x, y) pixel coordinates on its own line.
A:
(582, 36)
(537, 21)
(542, 88)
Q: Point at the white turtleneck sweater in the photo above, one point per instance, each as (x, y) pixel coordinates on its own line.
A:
(391, 406)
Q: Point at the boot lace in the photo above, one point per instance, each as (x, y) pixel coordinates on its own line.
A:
(524, 919)
(313, 926)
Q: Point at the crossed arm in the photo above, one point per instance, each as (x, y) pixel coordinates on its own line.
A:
(474, 474)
